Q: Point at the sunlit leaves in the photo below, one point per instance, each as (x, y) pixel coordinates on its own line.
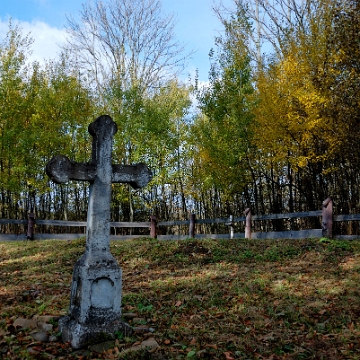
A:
(44, 110)
(152, 129)
(222, 132)
(299, 112)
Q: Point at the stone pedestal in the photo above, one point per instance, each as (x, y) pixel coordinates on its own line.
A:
(95, 305)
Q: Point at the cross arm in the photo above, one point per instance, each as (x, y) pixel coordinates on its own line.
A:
(61, 169)
(137, 175)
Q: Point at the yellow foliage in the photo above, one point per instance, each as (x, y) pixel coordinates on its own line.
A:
(291, 123)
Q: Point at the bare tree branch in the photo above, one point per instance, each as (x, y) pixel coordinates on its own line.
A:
(129, 42)
(275, 21)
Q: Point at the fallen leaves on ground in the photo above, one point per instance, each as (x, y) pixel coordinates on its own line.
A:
(192, 299)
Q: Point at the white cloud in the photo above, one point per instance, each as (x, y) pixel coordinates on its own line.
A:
(47, 39)
(42, 2)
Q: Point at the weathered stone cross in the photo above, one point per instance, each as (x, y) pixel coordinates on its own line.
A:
(95, 304)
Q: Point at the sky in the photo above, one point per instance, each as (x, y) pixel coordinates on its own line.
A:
(196, 26)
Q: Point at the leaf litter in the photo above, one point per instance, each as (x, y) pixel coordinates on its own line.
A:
(192, 299)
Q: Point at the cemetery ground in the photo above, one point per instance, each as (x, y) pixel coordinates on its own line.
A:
(192, 299)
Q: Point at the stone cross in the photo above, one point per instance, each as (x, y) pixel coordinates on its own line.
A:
(95, 303)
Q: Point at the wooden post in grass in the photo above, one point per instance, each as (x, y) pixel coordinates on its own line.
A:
(153, 223)
(192, 226)
(247, 214)
(327, 218)
(231, 226)
(30, 229)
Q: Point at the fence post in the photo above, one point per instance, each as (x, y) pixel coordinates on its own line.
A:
(247, 213)
(153, 224)
(231, 224)
(192, 226)
(30, 229)
(327, 218)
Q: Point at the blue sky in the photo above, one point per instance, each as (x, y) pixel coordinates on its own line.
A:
(196, 26)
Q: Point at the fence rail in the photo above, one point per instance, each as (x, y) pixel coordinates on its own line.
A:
(248, 220)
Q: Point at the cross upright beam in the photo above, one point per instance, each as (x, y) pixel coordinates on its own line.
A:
(95, 303)
(98, 220)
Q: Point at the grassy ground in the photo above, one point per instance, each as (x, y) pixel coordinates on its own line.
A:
(210, 299)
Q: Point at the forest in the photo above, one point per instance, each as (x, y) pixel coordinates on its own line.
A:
(275, 129)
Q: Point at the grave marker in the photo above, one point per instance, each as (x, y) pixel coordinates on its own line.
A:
(95, 302)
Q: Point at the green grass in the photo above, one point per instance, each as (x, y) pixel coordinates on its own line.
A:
(210, 299)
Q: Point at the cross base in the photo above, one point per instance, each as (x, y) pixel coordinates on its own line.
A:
(81, 335)
(95, 304)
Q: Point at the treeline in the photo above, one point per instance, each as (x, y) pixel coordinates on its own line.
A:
(276, 129)
(284, 126)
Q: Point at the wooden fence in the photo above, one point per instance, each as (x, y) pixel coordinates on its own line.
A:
(248, 223)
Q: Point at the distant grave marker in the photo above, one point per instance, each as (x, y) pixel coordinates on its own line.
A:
(95, 303)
